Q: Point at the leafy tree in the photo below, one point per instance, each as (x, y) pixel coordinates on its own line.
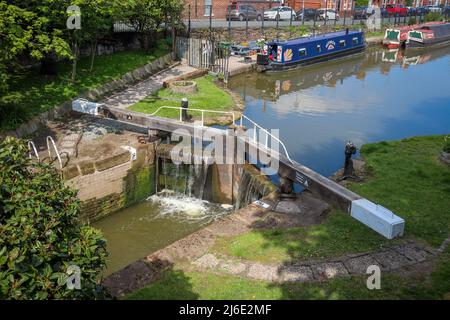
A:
(361, 3)
(40, 232)
(25, 31)
(148, 16)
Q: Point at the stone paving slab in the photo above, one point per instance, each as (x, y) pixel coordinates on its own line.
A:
(391, 259)
(208, 261)
(146, 87)
(232, 267)
(259, 271)
(329, 270)
(358, 265)
(296, 274)
(414, 253)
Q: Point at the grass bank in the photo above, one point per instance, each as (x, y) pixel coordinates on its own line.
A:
(208, 96)
(31, 93)
(405, 176)
(176, 284)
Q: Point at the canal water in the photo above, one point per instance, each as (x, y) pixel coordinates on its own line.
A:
(135, 232)
(380, 95)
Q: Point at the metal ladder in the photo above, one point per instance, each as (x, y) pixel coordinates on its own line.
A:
(50, 143)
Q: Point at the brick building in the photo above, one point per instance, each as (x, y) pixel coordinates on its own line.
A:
(200, 9)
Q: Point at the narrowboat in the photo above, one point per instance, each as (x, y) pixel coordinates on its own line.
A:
(429, 35)
(396, 37)
(294, 53)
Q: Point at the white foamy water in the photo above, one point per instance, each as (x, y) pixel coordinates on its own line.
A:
(187, 208)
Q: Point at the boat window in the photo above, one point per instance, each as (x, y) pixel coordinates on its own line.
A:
(302, 52)
(355, 40)
(342, 43)
(318, 49)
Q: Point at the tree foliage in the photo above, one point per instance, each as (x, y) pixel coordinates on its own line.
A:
(148, 16)
(23, 30)
(40, 232)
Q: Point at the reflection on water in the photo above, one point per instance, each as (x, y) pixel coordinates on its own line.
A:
(136, 232)
(380, 95)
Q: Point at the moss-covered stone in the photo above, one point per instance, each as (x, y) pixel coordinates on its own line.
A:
(113, 161)
(140, 180)
(70, 172)
(86, 167)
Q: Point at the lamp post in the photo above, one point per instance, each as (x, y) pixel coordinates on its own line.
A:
(303, 12)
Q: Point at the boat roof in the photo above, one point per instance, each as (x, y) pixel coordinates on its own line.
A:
(438, 29)
(321, 36)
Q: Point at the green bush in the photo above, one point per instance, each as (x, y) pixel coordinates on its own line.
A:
(432, 16)
(412, 21)
(447, 145)
(41, 234)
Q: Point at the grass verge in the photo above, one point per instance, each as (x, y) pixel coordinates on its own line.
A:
(31, 93)
(196, 285)
(405, 176)
(209, 97)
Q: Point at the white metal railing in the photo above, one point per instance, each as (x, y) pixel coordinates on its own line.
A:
(52, 142)
(32, 148)
(267, 135)
(203, 111)
(255, 126)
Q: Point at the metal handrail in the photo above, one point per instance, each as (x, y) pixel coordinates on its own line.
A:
(193, 109)
(50, 139)
(266, 145)
(32, 147)
(234, 120)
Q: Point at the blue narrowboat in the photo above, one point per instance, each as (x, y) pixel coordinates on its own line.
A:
(294, 53)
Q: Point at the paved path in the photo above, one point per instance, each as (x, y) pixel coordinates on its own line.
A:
(389, 259)
(136, 93)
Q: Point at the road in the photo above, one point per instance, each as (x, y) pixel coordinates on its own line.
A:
(222, 23)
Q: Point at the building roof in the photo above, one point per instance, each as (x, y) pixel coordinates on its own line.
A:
(322, 36)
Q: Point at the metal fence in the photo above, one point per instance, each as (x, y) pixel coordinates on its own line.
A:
(253, 16)
(204, 54)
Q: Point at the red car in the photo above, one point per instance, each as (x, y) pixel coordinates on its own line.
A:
(396, 10)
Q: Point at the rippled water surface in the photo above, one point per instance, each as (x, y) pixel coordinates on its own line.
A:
(380, 95)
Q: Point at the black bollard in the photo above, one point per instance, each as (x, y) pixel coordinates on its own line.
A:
(350, 150)
(286, 186)
(184, 106)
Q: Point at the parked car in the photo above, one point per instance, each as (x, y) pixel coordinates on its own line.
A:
(446, 11)
(328, 14)
(434, 9)
(421, 11)
(396, 10)
(310, 14)
(243, 12)
(411, 11)
(280, 13)
(362, 12)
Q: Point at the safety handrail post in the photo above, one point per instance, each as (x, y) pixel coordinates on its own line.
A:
(32, 147)
(50, 139)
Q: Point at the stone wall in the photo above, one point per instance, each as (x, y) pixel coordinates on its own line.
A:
(110, 184)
